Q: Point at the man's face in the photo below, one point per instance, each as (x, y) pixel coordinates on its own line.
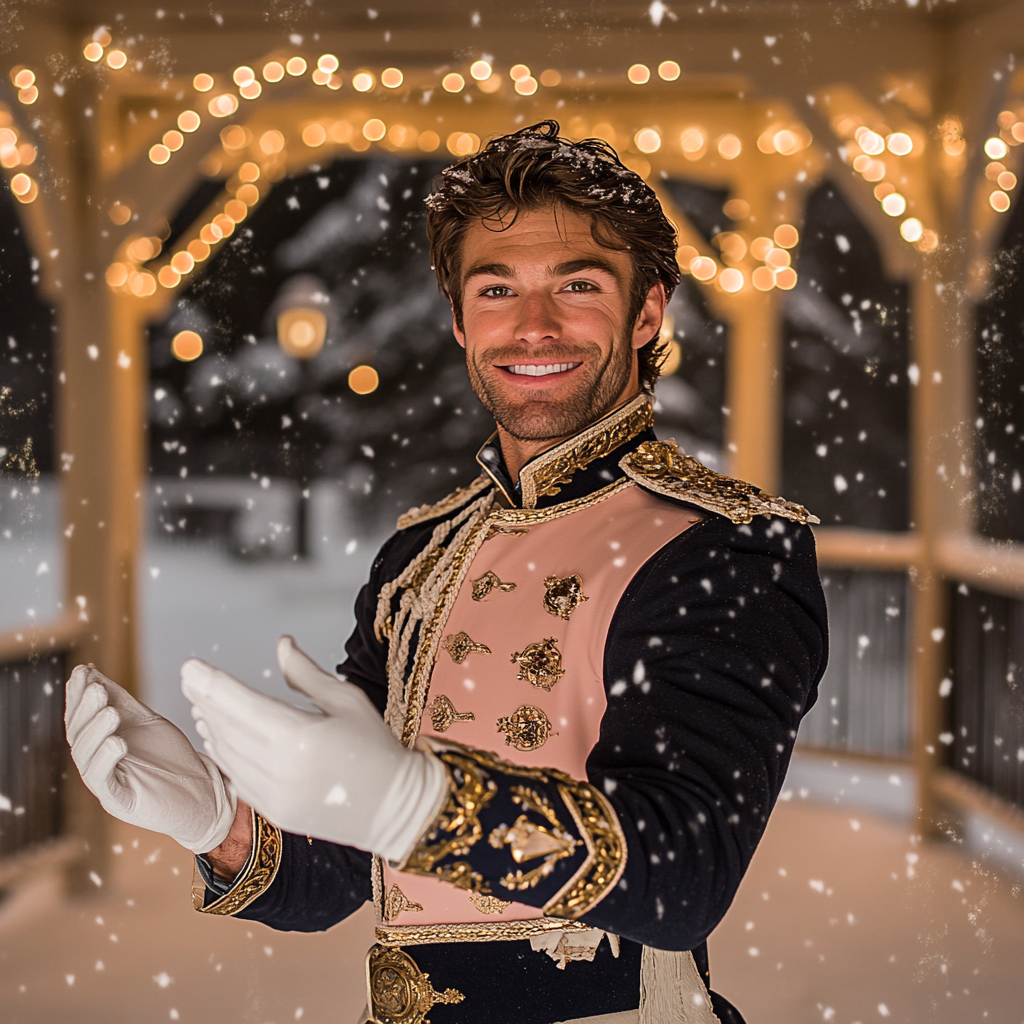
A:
(544, 308)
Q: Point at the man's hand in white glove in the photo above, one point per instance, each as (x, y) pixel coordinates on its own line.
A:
(141, 768)
(340, 775)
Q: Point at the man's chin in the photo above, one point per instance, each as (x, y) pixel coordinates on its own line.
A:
(549, 420)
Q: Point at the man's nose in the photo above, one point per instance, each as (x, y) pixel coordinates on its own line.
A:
(538, 320)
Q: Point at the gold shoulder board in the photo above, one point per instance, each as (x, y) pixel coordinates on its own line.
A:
(661, 467)
(453, 501)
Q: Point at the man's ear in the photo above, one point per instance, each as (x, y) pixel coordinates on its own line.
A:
(460, 334)
(648, 323)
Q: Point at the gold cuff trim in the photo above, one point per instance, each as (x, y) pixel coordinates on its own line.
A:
(255, 878)
(606, 852)
(484, 931)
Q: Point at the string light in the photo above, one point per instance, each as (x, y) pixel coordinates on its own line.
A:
(480, 70)
(392, 78)
(363, 380)
(668, 70)
(202, 82)
(647, 140)
(362, 81)
(187, 346)
(729, 146)
(273, 71)
(639, 74)
(453, 82)
(117, 59)
(93, 52)
(995, 148)
(526, 86)
(549, 78)
(296, 66)
(189, 121)
(518, 72)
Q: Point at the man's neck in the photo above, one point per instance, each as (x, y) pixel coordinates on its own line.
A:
(517, 452)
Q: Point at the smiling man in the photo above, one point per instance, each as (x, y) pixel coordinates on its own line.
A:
(636, 636)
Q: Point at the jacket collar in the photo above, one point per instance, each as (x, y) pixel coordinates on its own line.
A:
(578, 466)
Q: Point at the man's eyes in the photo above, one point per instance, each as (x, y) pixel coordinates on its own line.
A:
(497, 291)
(581, 286)
(503, 291)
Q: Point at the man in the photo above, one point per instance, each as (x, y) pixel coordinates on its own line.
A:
(639, 637)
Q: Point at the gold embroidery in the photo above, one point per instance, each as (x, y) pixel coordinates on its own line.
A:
(396, 902)
(660, 466)
(488, 904)
(255, 878)
(458, 497)
(488, 582)
(443, 714)
(540, 663)
(457, 828)
(545, 475)
(398, 992)
(564, 595)
(606, 852)
(479, 931)
(460, 646)
(526, 729)
(528, 840)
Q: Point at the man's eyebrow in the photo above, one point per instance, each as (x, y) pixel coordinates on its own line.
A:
(586, 263)
(489, 269)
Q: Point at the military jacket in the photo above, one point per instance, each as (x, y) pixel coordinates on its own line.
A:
(612, 658)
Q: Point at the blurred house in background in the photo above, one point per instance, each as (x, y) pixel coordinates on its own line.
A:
(225, 367)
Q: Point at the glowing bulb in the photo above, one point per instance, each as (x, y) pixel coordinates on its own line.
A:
(328, 62)
(251, 91)
(362, 82)
(786, 236)
(1007, 181)
(999, 201)
(183, 262)
(198, 250)
(314, 135)
(243, 75)
(391, 78)
(731, 280)
(760, 247)
(785, 278)
(210, 234)
(480, 70)
(273, 71)
(668, 70)
(777, 258)
(900, 143)
(272, 141)
(550, 78)
(173, 140)
(120, 214)
(202, 83)
(518, 72)
(729, 146)
(25, 78)
(93, 52)
(189, 121)
(463, 143)
(249, 172)
(453, 82)
(428, 141)
(526, 86)
(363, 380)
(187, 346)
(374, 130)
(692, 142)
(639, 74)
(296, 66)
(117, 59)
(912, 229)
(116, 275)
(159, 154)
(995, 148)
(647, 140)
(168, 276)
(763, 279)
(894, 204)
(703, 268)
(871, 142)
(223, 105)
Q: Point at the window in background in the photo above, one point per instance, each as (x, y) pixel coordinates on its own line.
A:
(845, 359)
(30, 555)
(999, 382)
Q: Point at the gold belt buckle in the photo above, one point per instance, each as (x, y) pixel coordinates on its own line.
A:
(397, 991)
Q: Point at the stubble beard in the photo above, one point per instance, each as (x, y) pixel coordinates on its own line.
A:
(550, 419)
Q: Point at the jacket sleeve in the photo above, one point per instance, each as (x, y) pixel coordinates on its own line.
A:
(712, 658)
(289, 882)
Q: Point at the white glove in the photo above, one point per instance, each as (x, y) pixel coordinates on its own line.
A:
(340, 775)
(143, 769)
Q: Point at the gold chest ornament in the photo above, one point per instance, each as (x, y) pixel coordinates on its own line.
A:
(540, 663)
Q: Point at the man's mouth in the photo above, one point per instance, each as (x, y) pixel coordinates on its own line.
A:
(539, 369)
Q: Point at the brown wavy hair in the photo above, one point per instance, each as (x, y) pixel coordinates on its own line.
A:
(535, 168)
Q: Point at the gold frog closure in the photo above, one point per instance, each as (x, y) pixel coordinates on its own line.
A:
(460, 646)
(443, 714)
(540, 663)
(399, 992)
(564, 595)
(526, 729)
(489, 582)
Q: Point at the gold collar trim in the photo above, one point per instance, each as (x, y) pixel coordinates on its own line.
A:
(546, 474)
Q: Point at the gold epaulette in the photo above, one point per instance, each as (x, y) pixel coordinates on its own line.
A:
(454, 500)
(661, 467)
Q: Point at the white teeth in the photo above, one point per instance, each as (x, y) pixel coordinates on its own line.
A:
(533, 370)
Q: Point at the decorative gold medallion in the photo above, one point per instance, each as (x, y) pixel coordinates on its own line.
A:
(443, 714)
(564, 595)
(488, 582)
(527, 729)
(460, 646)
(399, 992)
(396, 902)
(488, 904)
(540, 663)
(528, 840)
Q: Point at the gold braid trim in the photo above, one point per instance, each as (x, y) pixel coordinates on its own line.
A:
(606, 852)
(255, 878)
(545, 475)
(445, 505)
(485, 931)
(660, 466)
